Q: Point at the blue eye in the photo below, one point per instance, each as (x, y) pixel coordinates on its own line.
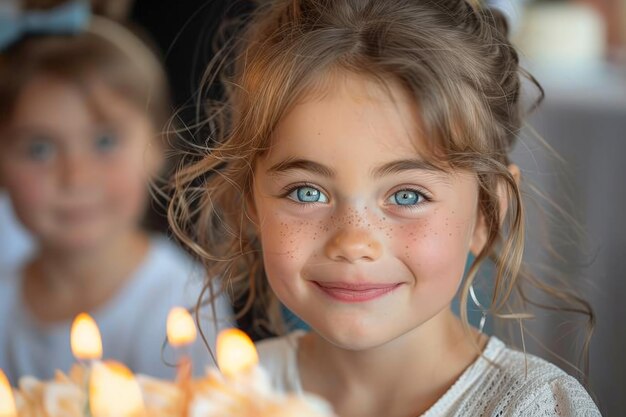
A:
(40, 150)
(307, 194)
(406, 197)
(106, 142)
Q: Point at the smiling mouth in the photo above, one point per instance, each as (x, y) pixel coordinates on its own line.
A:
(77, 215)
(355, 293)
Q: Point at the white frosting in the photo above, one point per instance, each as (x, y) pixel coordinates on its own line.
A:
(251, 395)
(245, 395)
(60, 397)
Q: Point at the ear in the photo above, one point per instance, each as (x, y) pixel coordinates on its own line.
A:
(479, 237)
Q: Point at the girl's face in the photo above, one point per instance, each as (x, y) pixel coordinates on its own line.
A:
(74, 180)
(360, 238)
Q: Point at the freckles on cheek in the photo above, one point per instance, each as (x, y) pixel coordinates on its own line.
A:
(442, 239)
(285, 238)
(435, 254)
(288, 244)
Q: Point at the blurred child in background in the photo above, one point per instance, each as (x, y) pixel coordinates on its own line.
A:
(82, 100)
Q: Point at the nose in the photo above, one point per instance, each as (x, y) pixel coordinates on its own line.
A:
(353, 245)
(75, 171)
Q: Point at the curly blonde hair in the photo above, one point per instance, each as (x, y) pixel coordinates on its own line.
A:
(452, 56)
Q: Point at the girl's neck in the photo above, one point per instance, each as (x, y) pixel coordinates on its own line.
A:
(405, 377)
(59, 285)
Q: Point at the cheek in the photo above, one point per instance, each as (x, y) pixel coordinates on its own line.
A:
(434, 248)
(288, 244)
(28, 188)
(127, 187)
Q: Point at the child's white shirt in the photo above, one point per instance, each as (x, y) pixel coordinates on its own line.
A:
(132, 324)
(16, 244)
(540, 389)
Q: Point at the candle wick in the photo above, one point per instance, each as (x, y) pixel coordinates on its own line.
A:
(86, 375)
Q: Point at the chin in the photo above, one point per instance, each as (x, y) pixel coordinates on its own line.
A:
(77, 243)
(355, 337)
(347, 341)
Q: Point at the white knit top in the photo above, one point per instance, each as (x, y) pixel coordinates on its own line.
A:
(523, 385)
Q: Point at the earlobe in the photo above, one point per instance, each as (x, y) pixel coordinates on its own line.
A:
(515, 172)
(503, 196)
(479, 237)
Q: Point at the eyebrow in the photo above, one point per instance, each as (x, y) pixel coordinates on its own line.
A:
(292, 164)
(401, 165)
(393, 167)
(17, 134)
(28, 131)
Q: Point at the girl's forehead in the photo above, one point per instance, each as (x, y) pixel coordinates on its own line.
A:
(346, 109)
(360, 87)
(55, 103)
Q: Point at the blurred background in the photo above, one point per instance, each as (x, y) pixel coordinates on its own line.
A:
(570, 153)
(577, 52)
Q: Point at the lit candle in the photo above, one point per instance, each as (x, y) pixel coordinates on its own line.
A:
(85, 338)
(86, 344)
(236, 353)
(7, 402)
(181, 333)
(242, 387)
(114, 391)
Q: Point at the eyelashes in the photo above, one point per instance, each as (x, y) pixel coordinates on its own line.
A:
(40, 150)
(43, 148)
(405, 197)
(308, 194)
(305, 194)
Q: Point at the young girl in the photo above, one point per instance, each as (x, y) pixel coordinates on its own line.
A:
(80, 110)
(359, 157)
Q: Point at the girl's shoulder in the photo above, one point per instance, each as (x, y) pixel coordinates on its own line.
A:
(168, 268)
(502, 382)
(166, 255)
(10, 282)
(166, 276)
(507, 382)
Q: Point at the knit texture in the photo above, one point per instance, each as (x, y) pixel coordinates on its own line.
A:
(520, 384)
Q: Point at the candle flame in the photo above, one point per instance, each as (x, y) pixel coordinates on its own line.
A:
(235, 352)
(114, 392)
(181, 329)
(7, 402)
(85, 338)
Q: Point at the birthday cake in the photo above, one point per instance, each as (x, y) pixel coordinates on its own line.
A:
(215, 395)
(95, 388)
(250, 395)
(60, 397)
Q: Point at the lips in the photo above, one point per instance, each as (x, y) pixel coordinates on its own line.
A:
(355, 292)
(77, 214)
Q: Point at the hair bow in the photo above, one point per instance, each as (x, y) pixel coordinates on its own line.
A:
(69, 18)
